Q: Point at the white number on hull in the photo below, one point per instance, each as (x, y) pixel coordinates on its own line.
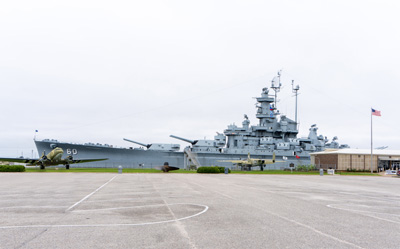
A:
(73, 151)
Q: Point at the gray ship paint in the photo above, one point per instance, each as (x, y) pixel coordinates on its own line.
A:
(273, 133)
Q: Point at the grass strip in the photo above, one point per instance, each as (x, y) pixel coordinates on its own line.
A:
(182, 171)
(101, 170)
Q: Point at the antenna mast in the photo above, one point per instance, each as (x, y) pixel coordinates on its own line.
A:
(276, 85)
(295, 91)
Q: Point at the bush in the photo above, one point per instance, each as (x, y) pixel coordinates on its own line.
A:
(212, 170)
(305, 167)
(357, 170)
(222, 169)
(12, 168)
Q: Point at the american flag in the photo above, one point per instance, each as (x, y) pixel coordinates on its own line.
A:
(376, 112)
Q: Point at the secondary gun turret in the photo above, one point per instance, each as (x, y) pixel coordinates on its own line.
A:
(144, 145)
(193, 142)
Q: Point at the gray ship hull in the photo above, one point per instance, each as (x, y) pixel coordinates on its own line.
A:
(141, 158)
(274, 133)
(125, 157)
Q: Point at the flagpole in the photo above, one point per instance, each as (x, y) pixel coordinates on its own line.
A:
(371, 140)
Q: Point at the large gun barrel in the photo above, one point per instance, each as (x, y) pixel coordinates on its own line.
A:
(193, 142)
(145, 145)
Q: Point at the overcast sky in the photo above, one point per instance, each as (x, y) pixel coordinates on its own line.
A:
(99, 71)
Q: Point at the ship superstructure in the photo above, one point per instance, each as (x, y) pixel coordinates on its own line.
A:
(274, 132)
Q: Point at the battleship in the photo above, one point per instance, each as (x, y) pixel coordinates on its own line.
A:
(274, 133)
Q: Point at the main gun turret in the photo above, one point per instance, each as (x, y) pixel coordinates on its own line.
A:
(193, 142)
(163, 147)
(144, 145)
(204, 144)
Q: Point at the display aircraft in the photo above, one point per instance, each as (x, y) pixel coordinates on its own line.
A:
(51, 159)
(253, 162)
(166, 167)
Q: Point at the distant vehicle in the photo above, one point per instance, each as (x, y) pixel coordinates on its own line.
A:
(166, 167)
(51, 159)
(253, 162)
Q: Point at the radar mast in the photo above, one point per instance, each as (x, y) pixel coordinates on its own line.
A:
(276, 85)
(295, 90)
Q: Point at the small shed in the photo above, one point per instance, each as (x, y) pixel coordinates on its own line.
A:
(356, 159)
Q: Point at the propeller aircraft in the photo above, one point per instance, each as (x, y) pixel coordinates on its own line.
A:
(52, 159)
(166, 167)
(253, 162)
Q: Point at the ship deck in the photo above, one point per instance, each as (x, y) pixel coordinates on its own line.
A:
(89, 210)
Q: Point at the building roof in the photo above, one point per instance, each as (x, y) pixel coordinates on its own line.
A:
(358, 152)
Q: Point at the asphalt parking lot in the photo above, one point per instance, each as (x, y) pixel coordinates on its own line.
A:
(101, 210)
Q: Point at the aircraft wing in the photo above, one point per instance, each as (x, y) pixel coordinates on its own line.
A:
(231, 161)
(20, 160)
(236, 161)
(85, 160)
(272, 162)
(264, 161)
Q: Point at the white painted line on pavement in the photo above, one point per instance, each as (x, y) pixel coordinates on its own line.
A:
(118, 224)
(71, 207)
